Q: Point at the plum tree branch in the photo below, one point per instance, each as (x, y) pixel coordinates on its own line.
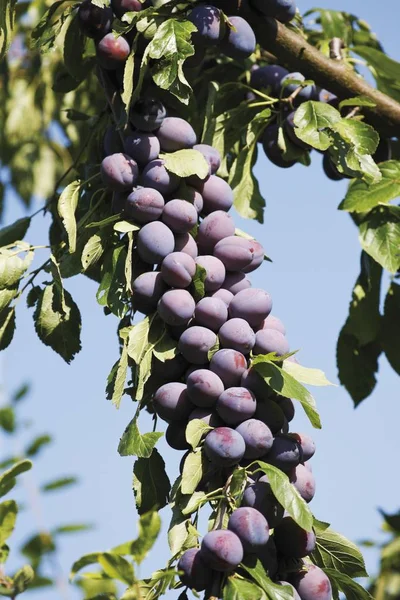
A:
(294, 51)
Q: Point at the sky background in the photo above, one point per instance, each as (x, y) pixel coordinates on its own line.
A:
(316, 261)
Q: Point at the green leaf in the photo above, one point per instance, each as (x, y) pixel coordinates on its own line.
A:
(12, 266)
(150, 483)
(74, 48)
(94, 249)
(357, 101)
(66, 207)
(149, 528)
(8, 517)
(7, 419)
(47, 30)
(195, 430)
(38, 443)
(82, 562)
(185, 163)
(380, 236)
(125, 227)
(7, 296)
(286, 385)
(288, 496)
(334, 551)
(273, 591)
(195, 500)
(166, 348)
(362, 197)
(351, 589)
(58, 329)
(117, 567)
(7, 327)
(112, 289)
(198, 282)
(358, 134)
(313, 121)
(7, 479)
(57, 484)
(385, 66)
(23, 578)
(14, 232)
(241, 589)
(138, 340)
(357, 364)
(133, 443)
(116, 379)
(7, 23)
(391, 327)
(306, 375)
(192, 472)
(72, 528)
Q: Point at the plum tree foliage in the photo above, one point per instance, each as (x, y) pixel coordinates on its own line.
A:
(137, 126)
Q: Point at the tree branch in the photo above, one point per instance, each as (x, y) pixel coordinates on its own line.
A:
(336, 76)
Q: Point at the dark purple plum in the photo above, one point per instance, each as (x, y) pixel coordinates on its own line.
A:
(257, 437)
(147, 289)
(210, 27)
(311, 583)
(178, 269)
(306, 443)
(186, 243)
(170, 370)
(239, 41)
(94, 21)
(268, 557)
(238, 335)
(304, 482)
(175, 134)
(236, 282)
(259, 496)
(217, 195)
(291, 540)
(272, 322)
(147, 114)
(208, 416)
(112, 143)
(222, 550)
(235, 405)
(290, 130)
(306, 93)
(224, 295)
(154, 241)
(287, 406)
(215, 272)
(254, 382)
(204, 387)
(229, 365)
(224, 447)
(171, 402)
(144, 205)
(175, 435)
(251, 527)
(271, 148)
(211, 155)
(253, 305)
(282, 10)
(285, 453)
(180, 216)
(214, 228)
(270, 413)
(143, 147)
(176, 307)
(211, 312)
(270, 340)
(120, 7)
(195, 344)
(119, 172)
(112, 52)
(156, 176)
(196, 574)
(269, 76)
(235, 252)
(323, 95)
(330, 169)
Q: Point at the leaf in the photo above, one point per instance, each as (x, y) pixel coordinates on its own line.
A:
(93, 249)
(112, 289)
(7, 295)
(288, 496)
(198, 282)
(241, 589)
(192, 472)
(56, 484)
(351, 589)
(306, 375)
(380, 236)
(117, 567)
(138, 340)
(358, 134)
(313, 121)
(254, 567)
(7, 419)
(7, 327)
(166, 348)
(133, 443)
(7, 479)
(194, 502)
(12, 266)
(385, 66)
(82, 562)
(66, 207)
(149, 528)
(7, 22)
(357, 101)
(116, 380)
(125, 227)
(47, 30)
(14, 232)
(23, 578)
(357, 365)
(185, 163)
(72, 528)
(55, 328)
(195, 431)
(286, 385)
(73, 50)
(150, 483)
(362, 197)
(334, 551)
(8, 517)
(391, 327)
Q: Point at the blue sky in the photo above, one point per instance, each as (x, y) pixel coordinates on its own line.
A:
(316, 261)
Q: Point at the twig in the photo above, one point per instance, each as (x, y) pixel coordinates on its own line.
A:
(336, 46)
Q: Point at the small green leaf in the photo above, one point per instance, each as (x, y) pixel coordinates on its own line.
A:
(185, 163)
(66, 207)
(192, 472)
(125, 227)
(133, 443)
(138, 340)
(7, 24)
(93, 249)
(7, 327)
(82, 562)
(117, 567)
(195, 501)
(112, 289)
(38, 443)
(362, 197)
(288, 496)
(72, 528)
(7, 295)
(8, 517)
(380, 236)
(198, 282)
(313, 121)
(241, 589)
(23, 578)
(73, 50)
(306, 375)
(273, 591)
(391, 327)
(358, 134)
(117, 378)
(12, 266)
(149, 528)
(195, 431)
(357, 364)
(7, 419)
(334, 551)
(150, 483)
(14, 232)
(4, 553)
(166, 348)
(357, 101)
(350, 588)
(57, 484)
(7, 479)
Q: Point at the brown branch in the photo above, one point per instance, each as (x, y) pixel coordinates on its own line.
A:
(339, 78)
